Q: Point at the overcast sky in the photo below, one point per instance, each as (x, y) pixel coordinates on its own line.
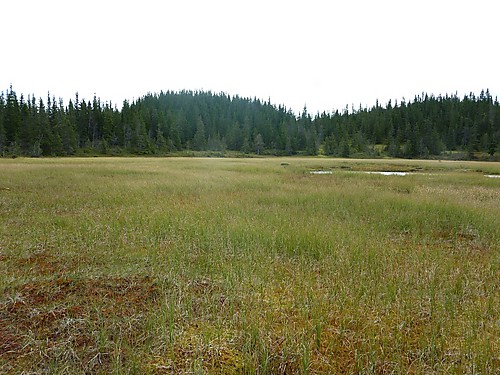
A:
(323, 54)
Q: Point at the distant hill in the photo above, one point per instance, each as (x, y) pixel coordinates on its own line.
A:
(201, 121)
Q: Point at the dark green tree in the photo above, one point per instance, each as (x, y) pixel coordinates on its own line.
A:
(258, 144)
(199, 140)
(169, 121)
(44, 141)
(2, 129)
(12, 119)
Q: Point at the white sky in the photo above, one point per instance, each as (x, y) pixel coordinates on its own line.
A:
(323, 54)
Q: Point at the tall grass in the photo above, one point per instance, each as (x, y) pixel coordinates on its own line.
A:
(137, 265)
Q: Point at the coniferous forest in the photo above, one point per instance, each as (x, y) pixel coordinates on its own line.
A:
(172, 122)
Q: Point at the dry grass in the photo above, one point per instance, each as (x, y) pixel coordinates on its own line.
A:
(168, 266)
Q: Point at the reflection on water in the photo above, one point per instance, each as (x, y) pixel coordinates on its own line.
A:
(390, 173)
(320, 172)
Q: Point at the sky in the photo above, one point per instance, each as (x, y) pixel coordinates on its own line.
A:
(324, 55)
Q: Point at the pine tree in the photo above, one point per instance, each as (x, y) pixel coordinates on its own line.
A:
(44, 141)
(70, 135)
(12, 119)
(258, 144)
(95, 121)
(58, 127)
(2, 129)
(25, 132)
(139, 142)
(199, 140)
(173, 121)
(160, 142)
(329, 145)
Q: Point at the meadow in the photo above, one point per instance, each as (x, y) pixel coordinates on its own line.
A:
(248, 266)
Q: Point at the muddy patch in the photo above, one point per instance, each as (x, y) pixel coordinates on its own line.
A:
(45, 319)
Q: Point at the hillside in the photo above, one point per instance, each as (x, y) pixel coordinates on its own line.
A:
(169, 122)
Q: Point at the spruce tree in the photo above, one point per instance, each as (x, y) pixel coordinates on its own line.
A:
(2, 129)
(258, 144)
(12, 119)
(199, 140)
(44, 141)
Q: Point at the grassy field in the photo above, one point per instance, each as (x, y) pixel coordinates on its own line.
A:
(227, 266)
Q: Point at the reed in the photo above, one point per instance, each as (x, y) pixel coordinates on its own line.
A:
(199, 265)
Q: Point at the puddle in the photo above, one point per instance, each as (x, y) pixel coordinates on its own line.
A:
(390, 173)
(320, 172)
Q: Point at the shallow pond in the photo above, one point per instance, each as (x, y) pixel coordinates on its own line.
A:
(390, 173)
(320, 172)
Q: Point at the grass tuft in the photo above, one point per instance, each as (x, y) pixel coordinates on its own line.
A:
(231, 266)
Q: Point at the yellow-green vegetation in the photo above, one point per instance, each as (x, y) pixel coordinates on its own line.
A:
(227, 266)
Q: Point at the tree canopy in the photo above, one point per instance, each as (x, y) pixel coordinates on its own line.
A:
(167, 122)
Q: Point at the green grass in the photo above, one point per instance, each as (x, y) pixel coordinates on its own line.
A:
(194, 265)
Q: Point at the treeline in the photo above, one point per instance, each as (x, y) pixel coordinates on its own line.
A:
(202, 121)
(426, 126)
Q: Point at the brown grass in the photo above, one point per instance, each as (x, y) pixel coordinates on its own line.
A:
(44, 319)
